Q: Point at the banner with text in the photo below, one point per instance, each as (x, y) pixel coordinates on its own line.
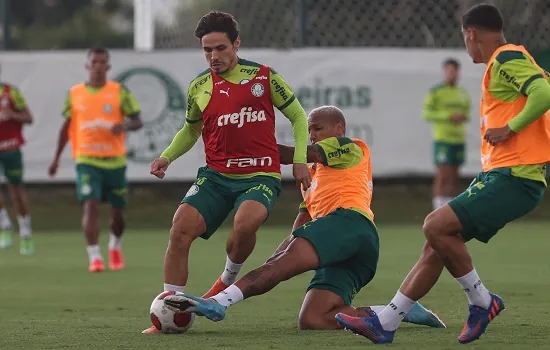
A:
(381, 92)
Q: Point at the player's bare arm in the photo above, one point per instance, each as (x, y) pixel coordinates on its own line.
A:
(286, 154)
(61, 142)
(133, 123)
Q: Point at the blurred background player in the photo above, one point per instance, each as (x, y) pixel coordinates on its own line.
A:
(232, 104)
(447, 106)
(14, 113)
(98, 114)
(515, 147)
(333, 234)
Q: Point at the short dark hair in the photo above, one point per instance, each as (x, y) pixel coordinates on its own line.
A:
(451, 62)
(217, 21)
(483, 16)
(98, 50)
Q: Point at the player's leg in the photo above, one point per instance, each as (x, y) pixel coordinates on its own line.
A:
(443, 174)
(13, 169)
(491, 201)
(204, 208)
(6, 226)
(255, 199)
(89, 184)
(116, 193)
(456, 161)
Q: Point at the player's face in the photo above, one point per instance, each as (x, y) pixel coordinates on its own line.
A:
(321, 128)
(220, 52)
(98, 65)
(471, 44)
(451, 73)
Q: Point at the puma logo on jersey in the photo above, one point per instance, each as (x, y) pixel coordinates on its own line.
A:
(225, 92)
(246, 115)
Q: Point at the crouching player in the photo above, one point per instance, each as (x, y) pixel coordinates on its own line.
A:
(334, 234)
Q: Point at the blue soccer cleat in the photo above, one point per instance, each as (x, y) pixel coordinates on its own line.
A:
(368, 327)
(479, 319)
(209, 308)
(418, 314)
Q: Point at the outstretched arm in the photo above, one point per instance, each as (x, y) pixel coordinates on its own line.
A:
(286, 154)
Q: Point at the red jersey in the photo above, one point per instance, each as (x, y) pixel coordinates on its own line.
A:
(11, 132)
(239, 126)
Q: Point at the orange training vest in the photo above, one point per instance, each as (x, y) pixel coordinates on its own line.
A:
(92, 117)
(530, 146)
(341, 188)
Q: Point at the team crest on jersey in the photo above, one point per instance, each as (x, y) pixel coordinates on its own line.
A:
(107, 108)
(257, 90)
(244, 81)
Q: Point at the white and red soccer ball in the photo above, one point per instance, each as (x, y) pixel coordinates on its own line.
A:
(168, 321)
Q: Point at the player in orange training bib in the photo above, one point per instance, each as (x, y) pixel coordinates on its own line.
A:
(515, 131)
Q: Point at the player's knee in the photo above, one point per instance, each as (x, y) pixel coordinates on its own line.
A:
(431, 227)
(310, 321)
(181, 236)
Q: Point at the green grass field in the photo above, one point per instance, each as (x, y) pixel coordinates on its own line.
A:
(50, 301)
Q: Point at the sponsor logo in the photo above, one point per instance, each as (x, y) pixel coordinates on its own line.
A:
(245, 115)
(248, 162)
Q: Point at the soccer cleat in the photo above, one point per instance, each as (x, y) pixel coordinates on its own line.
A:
(368, 327)
(5, 238)
(96, 266)
(418, 314)
(209, 308)
(479, 319)
(216, 288)
(26, 246)
(152, 330)
(116, 262)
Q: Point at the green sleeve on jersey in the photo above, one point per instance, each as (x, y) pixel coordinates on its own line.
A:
(194, 113)
(303, 207)
(128, 102)
(431, 111)
(511, 74)
(184, 140)
(66, 111)
(284, 99)
(538, 102)
(18, 99)
(339, 152)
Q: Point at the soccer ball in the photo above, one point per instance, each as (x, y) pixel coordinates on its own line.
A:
(166, 320)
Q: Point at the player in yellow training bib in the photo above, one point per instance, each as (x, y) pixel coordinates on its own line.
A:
(334, 235)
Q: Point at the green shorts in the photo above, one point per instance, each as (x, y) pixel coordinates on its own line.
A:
(448, 153)
(108, 185)
(348, 249)
(215, 195)
(494, 199)
(11, 162)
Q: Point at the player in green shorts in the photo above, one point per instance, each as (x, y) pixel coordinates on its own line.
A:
(447, 107)
(14, 114)
(333, 234)
(515, 148)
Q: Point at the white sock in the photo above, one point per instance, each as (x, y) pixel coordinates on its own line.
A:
(230, 296)
(393, 314)
(24, 225)
(377, 308)
(5, 222)
(229, 275)
(173, 288)
(115, 243)
(94, 253)
(475, 290)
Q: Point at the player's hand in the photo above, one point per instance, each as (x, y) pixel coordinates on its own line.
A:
(302, 175)
(118, 129)
(458, 118)
(159, 166)
(52, 170)
(498, 135)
